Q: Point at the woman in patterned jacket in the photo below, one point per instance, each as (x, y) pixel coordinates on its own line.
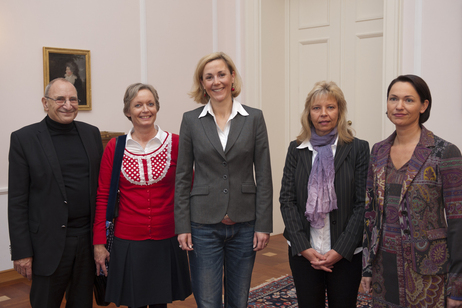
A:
(412, 255)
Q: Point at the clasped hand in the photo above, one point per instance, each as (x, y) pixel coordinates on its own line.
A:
(322, 262)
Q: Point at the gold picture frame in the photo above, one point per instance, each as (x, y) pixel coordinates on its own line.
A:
(72, 64)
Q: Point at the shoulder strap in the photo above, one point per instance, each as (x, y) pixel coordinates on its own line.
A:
(116, 165)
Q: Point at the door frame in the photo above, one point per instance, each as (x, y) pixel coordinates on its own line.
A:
(392, 50)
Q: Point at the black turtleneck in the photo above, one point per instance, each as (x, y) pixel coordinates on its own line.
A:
(74, 164)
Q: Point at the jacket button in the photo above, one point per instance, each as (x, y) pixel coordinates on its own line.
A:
(407, 231)
(65, 202)
(225, 177)
(225, 191)
(334, 222)
(224, 163)
(63, 226)
(404, 213)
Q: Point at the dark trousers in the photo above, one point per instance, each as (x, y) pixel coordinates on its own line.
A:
(342, 284)
(74, 276)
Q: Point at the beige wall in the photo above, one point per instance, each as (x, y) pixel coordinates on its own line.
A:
(110, 29)
(273, 94)
(178, 34)
(432, 49)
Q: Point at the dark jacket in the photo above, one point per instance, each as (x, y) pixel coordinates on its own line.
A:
(346, 223)
(37, 210)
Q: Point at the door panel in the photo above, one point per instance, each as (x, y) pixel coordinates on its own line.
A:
(342, 41)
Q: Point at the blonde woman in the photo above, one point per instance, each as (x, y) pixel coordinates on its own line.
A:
(322, 202)
(226, 216)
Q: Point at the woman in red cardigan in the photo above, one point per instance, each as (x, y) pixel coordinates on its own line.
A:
(147, 267)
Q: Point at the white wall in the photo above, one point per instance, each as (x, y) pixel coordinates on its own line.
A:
(108, 28)
(177, 39)
(273, 95)
(4, 241)
(432, 49)
(178, 34)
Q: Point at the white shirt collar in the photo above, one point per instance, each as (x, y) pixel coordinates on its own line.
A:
(307, 144)
(160, 136)
(237, 107)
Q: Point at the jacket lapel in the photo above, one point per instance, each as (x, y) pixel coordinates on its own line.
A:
(306, 156)
(88, 146)
(341, 153)
(210, 128)
(420, 155)
(379, 168)
(44, 138)
(237, 123)
(86, 141)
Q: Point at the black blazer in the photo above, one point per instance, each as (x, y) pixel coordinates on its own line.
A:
(346, 223)
(37, 210)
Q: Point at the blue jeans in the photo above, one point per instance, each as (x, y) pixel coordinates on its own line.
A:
(222, 249)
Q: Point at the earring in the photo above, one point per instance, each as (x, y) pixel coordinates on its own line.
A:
(232, 88)
(205, 93)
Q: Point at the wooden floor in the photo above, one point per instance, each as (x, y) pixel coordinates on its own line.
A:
(270, 263)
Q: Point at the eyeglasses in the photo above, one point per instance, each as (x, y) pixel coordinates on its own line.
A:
(62, 100)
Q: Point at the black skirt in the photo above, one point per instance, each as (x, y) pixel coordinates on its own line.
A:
(147, 272)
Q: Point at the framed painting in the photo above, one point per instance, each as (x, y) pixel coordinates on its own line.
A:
(74, 66)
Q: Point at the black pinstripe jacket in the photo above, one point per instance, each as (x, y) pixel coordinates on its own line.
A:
(346, 223)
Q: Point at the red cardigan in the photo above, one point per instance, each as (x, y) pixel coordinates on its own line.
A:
(147, 187)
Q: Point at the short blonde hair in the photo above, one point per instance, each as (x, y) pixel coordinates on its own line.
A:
(197, 91)
(132, 92)
(329, 89)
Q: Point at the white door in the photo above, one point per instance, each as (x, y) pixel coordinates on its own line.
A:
(342, 41)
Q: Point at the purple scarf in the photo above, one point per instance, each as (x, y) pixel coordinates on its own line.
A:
(321, 191)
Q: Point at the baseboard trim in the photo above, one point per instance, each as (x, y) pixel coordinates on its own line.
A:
(9, 275)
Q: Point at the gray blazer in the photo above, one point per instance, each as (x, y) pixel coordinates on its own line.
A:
(224, 181)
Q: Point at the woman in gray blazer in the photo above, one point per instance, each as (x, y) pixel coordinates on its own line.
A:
(225, 216)
(322, 202)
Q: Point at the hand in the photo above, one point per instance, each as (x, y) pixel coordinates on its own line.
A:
(452, 303)
(24, 267)
(101, 255)
(366, 284)
(330, 258)
(185, 241)
(260, 241)
(315, 257)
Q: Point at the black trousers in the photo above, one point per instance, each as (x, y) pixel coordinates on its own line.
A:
(342, 284)
(74, 276)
